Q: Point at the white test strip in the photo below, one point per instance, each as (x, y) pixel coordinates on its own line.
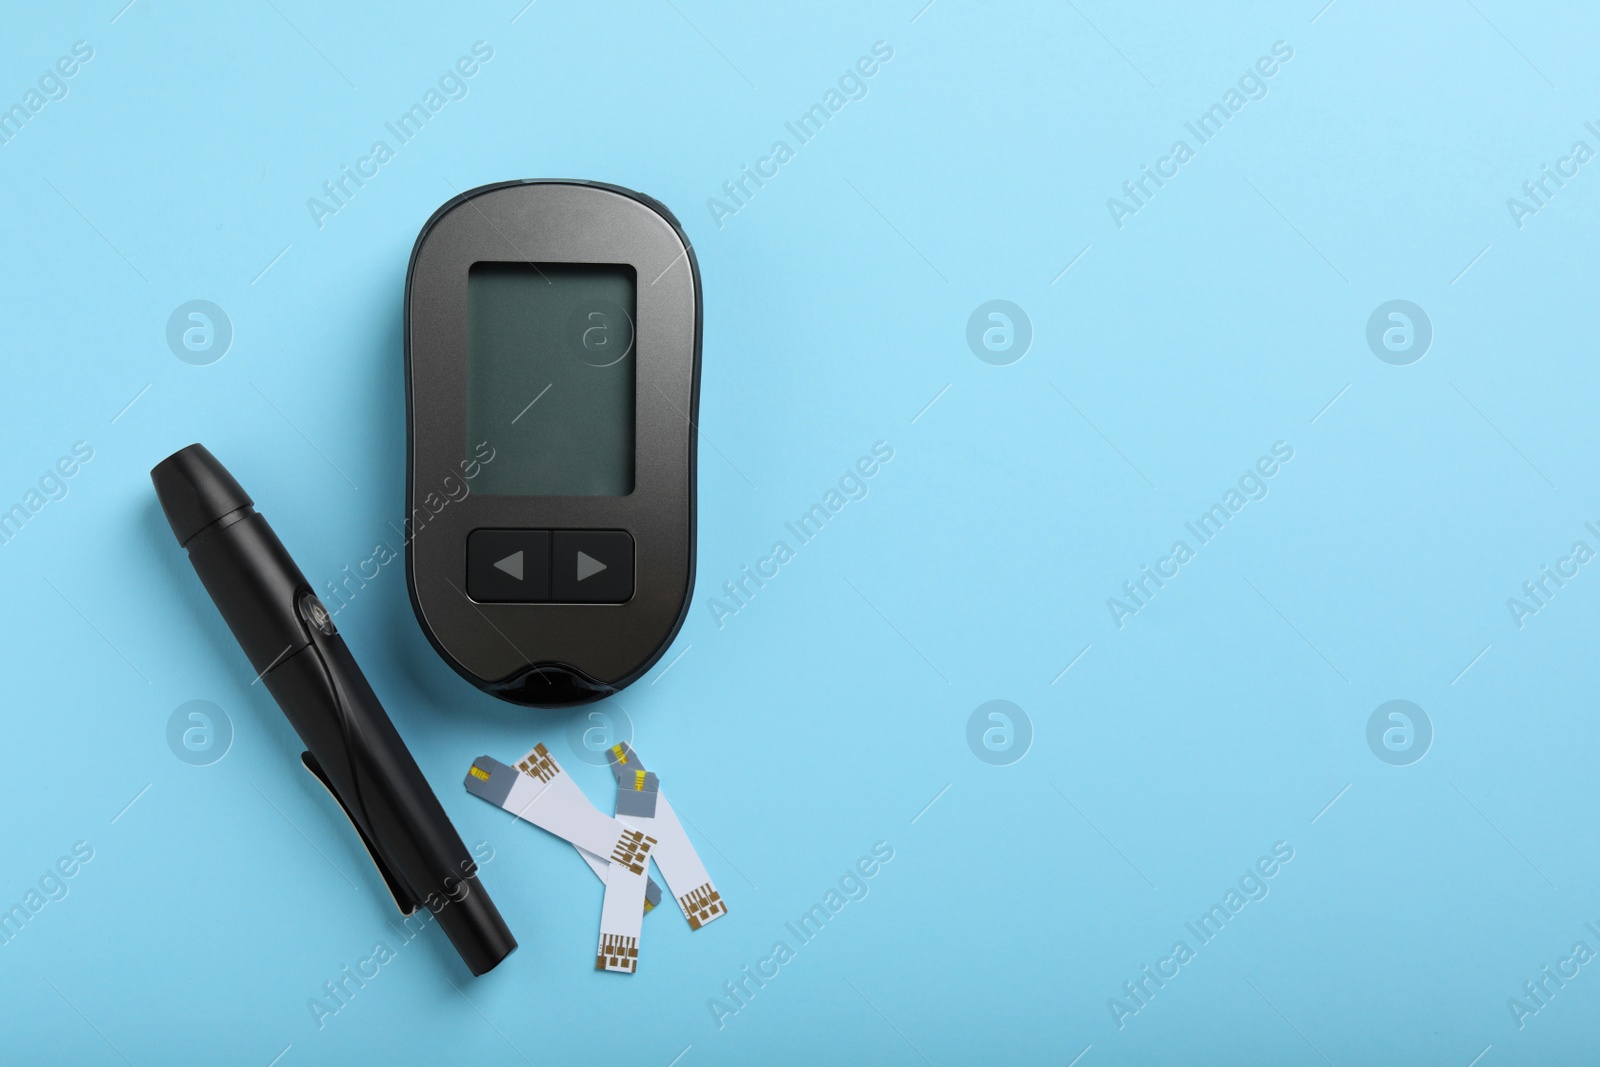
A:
(525, 791)
(675, 857)
(621, 921)
(564, 781)
(622, 911)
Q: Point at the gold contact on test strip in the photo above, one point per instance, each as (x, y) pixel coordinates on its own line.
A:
(479, 773)
(638, 781)
(633, 851)
(702, 905)
(617, 953)
(539, 764)
(620, 753)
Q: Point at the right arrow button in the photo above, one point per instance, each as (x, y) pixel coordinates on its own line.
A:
(592, 566)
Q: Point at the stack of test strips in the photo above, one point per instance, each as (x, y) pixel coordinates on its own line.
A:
(618, 850)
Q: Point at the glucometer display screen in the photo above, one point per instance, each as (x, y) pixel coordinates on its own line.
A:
(550, 377)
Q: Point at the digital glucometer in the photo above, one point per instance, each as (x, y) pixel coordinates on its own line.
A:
(552, 352)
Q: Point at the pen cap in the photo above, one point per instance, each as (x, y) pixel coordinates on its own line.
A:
(250, 576)
(195, 491)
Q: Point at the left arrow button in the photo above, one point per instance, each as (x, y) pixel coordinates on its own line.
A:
(508, 566)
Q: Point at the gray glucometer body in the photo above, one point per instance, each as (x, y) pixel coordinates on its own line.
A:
(552, 352)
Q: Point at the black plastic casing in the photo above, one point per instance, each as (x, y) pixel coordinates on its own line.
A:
(552, 655)
(352, 747)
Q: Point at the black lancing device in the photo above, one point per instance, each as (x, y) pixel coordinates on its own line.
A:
(351, 746)
(552, 353)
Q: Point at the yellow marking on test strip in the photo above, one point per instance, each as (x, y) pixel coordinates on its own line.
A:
(638, 781)
(479, 773)
(622, 756)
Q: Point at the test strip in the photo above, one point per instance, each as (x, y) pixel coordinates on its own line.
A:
(527, 793)
(621, 918)
(652, 890)
(565, 808)
(675, 857)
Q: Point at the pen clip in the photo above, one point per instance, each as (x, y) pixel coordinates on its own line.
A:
(402, 897)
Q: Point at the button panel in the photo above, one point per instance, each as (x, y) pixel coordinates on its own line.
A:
(550, 566)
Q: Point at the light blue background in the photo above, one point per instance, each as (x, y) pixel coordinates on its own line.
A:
(825, 716)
